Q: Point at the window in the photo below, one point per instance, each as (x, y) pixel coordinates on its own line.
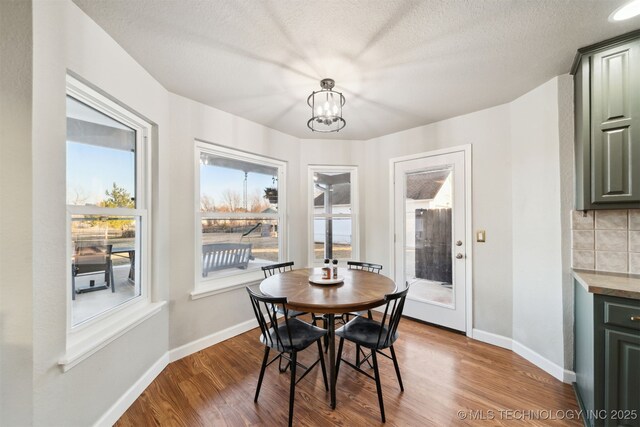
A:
(106, 205)
(333, 208)
(240, 219)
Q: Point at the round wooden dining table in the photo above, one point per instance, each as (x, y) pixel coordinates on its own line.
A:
(360, 290)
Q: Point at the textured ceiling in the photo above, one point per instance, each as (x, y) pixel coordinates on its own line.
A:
(400, 63)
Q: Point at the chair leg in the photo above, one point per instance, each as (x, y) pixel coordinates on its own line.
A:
(395, 364)
(339, 358)
(264, 365)
(292, 392)
(378, 385)
(358, 355)
(280, 368)
(322, 365)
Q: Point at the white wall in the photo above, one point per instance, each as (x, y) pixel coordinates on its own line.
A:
(190, 120)
(488, 131)
(566, 136)
(536, 216)
(16, 292)
(64, 38)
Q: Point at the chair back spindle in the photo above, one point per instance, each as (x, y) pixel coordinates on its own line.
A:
(270, 326)
(365, 266)
(273, 269)
(270, 270)
(391, 317)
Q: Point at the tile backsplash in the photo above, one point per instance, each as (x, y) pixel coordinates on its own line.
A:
(606, 240)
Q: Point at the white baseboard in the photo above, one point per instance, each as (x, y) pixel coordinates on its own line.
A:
(493, 339)
(541, 362)
(569, 377)
(112, 415)
(209, 340)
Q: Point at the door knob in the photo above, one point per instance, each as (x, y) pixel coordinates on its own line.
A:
(459, 256)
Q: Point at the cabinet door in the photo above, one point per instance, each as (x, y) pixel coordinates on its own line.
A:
(622, 378)
(615, 125)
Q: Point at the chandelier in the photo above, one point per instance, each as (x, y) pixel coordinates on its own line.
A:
(326, 108)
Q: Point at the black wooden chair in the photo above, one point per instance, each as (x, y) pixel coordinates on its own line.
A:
(375, 336)
(371, 268)
(270, 270)
(366, 266)
(287, 336)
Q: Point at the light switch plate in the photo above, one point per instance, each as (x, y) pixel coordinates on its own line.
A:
(481, 236)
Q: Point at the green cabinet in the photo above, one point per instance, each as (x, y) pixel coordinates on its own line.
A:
(622, 376)
(607, 124)
(607, 358)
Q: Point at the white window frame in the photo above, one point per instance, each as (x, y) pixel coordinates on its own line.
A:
(354, 215)
(207, 286)
(91, 335)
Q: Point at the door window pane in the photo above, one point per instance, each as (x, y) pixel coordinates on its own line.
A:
(428, 235)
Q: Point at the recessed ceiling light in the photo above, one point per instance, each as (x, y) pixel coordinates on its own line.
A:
(626, 11)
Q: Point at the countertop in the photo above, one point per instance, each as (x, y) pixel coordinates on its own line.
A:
(613, 284)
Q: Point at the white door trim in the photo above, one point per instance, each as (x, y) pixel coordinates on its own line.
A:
(468, 219)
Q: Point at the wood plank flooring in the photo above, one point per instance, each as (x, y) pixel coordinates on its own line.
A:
(443, 373)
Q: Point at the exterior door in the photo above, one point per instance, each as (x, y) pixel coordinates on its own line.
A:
(431, 232)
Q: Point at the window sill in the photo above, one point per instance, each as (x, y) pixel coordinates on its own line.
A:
(82, 345)
(222, 285)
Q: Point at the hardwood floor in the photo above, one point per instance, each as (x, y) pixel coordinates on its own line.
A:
(443, 373)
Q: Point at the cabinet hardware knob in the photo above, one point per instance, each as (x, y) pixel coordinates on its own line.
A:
(635, 318)
(459, 256)
(459, 243)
